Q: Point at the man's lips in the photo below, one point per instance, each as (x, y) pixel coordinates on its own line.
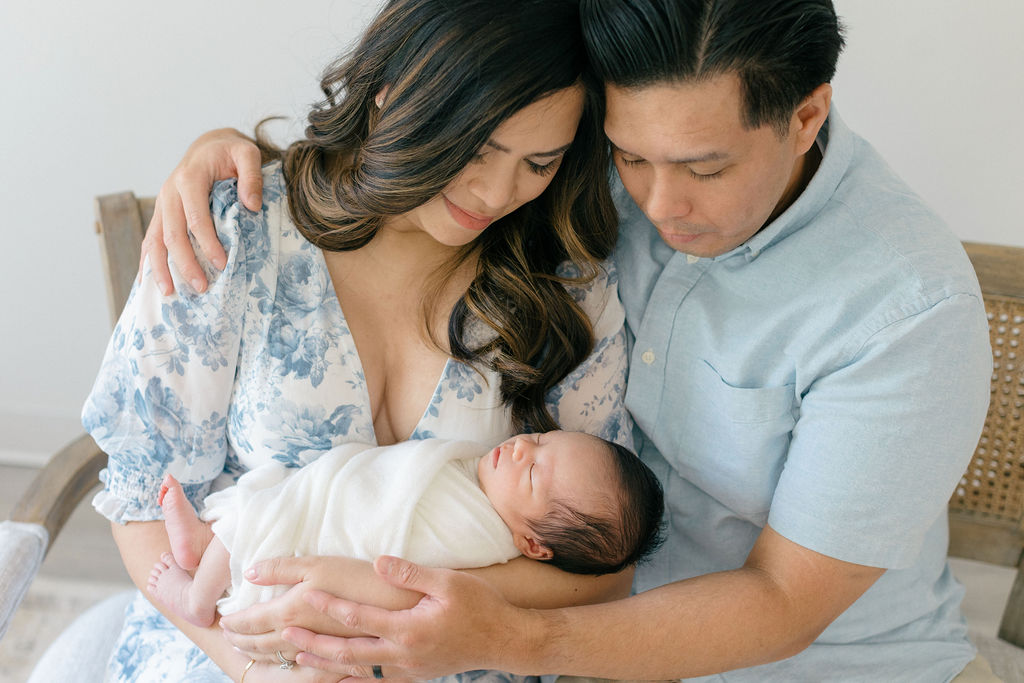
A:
(674, 236)
(467, 219)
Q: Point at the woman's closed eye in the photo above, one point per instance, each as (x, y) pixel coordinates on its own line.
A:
(544, 169)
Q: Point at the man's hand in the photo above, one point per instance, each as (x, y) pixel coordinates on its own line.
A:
(461, 623)
(257, 630)
(183, 205)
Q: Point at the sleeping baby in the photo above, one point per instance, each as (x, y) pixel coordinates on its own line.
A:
(581, 503)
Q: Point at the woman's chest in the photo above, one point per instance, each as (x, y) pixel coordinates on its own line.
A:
(304, 385)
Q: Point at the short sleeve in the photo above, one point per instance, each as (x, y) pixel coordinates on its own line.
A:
(159, 404)
(591, 398)
(882, 441)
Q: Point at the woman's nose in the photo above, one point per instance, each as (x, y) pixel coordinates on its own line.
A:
(494, 186)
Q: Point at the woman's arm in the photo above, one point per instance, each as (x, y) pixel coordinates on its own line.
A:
(141, 544)
(534, 585)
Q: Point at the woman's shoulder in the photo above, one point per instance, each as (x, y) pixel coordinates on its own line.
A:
(224, 194)
(237, 226)
(591, 292)
(598, 297)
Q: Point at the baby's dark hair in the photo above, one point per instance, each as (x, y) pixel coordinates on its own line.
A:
(582, 543)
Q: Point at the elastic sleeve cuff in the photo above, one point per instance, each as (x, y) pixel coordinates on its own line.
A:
(133, 498)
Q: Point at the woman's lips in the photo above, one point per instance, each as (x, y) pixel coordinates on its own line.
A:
(467, 219)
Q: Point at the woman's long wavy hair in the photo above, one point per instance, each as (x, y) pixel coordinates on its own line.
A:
(454, 70)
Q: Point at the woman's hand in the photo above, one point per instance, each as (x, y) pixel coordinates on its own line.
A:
(256, 631)
(183, 205)
(264, 672)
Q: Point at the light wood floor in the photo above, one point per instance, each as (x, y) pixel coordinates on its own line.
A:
(83, 550)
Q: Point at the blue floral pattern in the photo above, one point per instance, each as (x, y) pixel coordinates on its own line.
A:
(263, 366)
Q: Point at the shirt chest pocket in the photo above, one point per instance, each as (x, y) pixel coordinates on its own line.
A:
(732, 441)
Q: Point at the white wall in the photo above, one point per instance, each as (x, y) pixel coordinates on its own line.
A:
(104, 96)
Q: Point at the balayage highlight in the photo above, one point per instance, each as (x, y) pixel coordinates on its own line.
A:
(452, 71)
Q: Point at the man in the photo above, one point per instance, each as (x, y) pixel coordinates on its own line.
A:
(809, 375)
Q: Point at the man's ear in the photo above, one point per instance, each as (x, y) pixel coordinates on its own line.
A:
(810, 116)
(531, 548)
(381, 96)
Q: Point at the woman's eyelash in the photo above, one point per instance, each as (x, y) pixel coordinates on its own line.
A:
(543, 169)
(539, 169)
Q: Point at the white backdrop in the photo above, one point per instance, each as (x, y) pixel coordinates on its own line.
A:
(104, 96)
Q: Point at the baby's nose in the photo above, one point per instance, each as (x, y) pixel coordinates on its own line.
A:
(520, 449)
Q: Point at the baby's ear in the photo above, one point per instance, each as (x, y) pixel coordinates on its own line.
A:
(529, 547)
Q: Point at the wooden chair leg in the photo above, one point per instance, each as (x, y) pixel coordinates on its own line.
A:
(1011, 629)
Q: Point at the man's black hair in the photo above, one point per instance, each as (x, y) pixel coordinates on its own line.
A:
(781, 50)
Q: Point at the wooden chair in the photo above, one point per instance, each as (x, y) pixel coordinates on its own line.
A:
(72, 473)
(986, 511)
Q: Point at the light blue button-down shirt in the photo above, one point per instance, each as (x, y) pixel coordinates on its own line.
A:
(829, 377)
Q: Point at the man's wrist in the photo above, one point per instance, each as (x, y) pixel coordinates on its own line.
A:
(541, 634)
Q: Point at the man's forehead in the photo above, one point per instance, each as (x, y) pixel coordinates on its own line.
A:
(678, 122)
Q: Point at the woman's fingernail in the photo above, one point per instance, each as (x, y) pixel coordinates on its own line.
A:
(219, 262)
(198, 285)
(250, 573)
(165, 288)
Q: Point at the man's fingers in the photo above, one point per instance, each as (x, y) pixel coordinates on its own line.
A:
(175, 239)
(349, 656)
(250, 179)
(153, 247)
(409, 575)
(195, 201)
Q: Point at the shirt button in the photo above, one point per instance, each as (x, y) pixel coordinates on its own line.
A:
(647, 356)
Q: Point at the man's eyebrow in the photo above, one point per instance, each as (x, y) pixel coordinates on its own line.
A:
(700, 158)
(553, 153)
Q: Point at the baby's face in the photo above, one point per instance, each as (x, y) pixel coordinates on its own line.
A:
(524, 475)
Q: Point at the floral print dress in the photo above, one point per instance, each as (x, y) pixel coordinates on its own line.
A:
(263, 365)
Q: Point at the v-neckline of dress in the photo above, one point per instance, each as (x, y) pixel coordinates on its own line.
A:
(364, 388)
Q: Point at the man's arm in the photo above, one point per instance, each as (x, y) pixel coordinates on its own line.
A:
(773, 607)
(183, 205)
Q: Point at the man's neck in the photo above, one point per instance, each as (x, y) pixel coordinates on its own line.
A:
(803, 171)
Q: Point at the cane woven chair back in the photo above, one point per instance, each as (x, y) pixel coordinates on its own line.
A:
(987, 509)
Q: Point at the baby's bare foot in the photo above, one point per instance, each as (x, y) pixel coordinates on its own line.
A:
(188, 535)
(170, 585)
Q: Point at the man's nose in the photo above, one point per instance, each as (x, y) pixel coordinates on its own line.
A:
(667, 199)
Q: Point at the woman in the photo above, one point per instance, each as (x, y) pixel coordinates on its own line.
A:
(426, 262)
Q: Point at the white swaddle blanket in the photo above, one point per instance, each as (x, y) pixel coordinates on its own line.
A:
(420, 500)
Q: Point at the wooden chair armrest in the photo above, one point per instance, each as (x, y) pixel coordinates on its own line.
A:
(61, 485)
